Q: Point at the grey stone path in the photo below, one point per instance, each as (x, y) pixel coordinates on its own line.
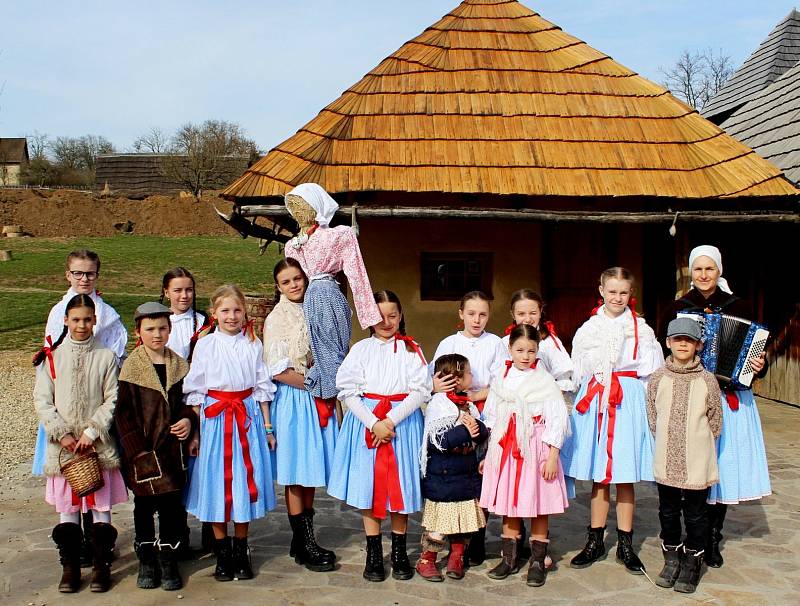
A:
(762, 554)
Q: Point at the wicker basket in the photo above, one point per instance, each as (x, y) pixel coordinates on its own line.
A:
(83, 472)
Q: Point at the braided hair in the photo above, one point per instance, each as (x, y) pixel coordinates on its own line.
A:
(74, 303)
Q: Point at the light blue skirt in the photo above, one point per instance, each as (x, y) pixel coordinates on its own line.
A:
(304, 455)
(354, 464)
(205, 498)
(584, 455)
(39, 452)
(742, 458)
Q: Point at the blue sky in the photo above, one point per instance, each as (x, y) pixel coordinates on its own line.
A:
(119, 68)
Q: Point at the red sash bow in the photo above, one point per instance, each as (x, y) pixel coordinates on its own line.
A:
(386, 478)
(511, 449)
(47, 350)
(232, 404)
(76, 500)
(414, 345)
(596, 388)
(324, 409)
(732, 399)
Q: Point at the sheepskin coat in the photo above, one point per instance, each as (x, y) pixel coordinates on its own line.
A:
(80, 399)
(154, 459)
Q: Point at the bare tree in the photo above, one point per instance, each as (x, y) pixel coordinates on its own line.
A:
(208, 155)
(75, 157)
(697, 76)
(155, 141)
(38, 144)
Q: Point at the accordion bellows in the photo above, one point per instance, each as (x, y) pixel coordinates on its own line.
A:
(730, 344)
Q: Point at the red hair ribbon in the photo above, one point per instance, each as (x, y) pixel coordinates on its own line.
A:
(312, 229)
(632, 305)
(509, 328)
(202, 329)
(98, 293)
(47, 350)
(247, 329)
(386, 478)
(510, 363)
(551, 328)
(599, 305)
(138, 342)
(414, 345)
(231, 404)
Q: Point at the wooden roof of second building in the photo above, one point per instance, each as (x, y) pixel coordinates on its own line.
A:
(494, 99)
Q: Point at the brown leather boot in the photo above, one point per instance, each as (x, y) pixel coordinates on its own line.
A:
(68, 538)
(103, 538)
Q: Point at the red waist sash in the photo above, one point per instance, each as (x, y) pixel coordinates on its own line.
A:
(386, 478)
(511, 448)
(325, 408)
(732, 399)
(615, 396)
(232, 404)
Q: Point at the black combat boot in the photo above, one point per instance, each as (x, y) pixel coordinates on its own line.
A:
(402, 570)
(716, 517)
(242, 566)
(306, 549)
(625, 553)
(374, 569)
(476, 550)
(224, 569)
(593, 551)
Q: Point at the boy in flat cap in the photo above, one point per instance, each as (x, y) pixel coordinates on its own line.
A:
(153, 424)
(684, 410)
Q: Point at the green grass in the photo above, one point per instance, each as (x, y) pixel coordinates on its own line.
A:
(132, 267)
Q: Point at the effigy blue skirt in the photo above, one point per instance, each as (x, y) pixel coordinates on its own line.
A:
(741, 456)
(585, 454)
(328, 317)
(352, 478)
(205, 498)
(304, 454)
(39, 452)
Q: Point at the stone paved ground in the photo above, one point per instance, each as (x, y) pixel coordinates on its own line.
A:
(762, 556)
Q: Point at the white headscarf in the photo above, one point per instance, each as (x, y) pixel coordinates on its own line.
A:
(318, 199)
(712, 252)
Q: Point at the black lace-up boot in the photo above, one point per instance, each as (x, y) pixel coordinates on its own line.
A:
(593, 551)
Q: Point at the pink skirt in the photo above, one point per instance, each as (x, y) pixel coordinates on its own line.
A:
(534, 496)
(58, 493)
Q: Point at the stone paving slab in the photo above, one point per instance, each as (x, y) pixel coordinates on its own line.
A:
(762, 554)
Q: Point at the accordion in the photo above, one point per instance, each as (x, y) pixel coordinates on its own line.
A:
(730, 344)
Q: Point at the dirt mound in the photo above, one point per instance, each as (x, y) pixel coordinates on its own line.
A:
(68, 213)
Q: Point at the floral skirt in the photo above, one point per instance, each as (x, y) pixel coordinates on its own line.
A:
(459, 517)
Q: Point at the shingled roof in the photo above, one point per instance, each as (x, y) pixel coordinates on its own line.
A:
(770, 123)
(777, 54)
(13, 150)
(494, 99)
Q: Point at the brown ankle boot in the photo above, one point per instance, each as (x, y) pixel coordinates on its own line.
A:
(103, 538)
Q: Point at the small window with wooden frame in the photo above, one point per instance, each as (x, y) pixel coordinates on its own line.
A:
(447, 276)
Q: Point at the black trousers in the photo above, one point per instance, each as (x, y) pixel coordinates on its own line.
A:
(171, 523)
(672, 502)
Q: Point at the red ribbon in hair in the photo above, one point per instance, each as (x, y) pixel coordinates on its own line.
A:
(509, 364)
(386, 478)
(414, 345)
(312, 229)
(232, 404)
(596, 388)
(247, 329)
(551, 328)
(324, 409)
(47, 350)
(509, 328)
(208, 326)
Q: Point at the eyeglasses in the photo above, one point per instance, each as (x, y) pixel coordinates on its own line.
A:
(80, 275)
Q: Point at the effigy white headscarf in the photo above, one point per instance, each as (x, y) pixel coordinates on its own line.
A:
(318, 199)
(712, 252)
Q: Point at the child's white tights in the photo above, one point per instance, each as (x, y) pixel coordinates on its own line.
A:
(97, 516)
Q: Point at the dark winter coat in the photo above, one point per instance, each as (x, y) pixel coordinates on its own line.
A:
(452, 473)
(153, 459)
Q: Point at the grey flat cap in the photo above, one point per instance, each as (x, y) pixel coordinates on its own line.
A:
(151, 309)
(684, 327)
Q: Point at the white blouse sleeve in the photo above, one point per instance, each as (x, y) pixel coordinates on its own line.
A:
(264, 389)
(419, 389)
(55, 323)
(650, 354)
(490, 410)
(115, 338)
(277, 357)
(194, 383)
(556, 428)
(557, 362)
(351, 381)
